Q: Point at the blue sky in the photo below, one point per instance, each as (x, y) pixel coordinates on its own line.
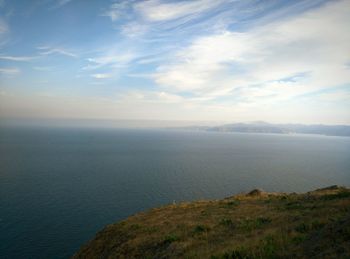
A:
(202, 60)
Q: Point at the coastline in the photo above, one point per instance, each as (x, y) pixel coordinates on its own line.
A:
(250, 225)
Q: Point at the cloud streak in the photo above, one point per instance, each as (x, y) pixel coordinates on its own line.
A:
(10, 71)
(60, 3)
(251, 66)
(46, 50)
(118, 10)
(167, 59)
(17, 58)
(156, 10)
(101, 76)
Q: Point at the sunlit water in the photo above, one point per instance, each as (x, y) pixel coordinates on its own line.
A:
(59, 186)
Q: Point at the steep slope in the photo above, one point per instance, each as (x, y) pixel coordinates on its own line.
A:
(254, 225)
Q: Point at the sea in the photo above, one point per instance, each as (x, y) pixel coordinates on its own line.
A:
(60, 186)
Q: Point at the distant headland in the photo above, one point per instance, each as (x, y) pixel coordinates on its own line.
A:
(264, 127)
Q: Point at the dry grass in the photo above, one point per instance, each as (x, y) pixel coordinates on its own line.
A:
(258, 225)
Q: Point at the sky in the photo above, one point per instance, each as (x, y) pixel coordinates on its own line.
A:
(200, 61)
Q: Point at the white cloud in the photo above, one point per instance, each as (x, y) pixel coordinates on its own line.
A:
(273, 70)
(161, 18)
(59, 3)
(111, 59)
(10, 71)
(156, 10)
(334, 96)
(134, 29)
(101, 76)
(118, 10)
(46, 50)
(150, 97)
(17, 58)
(63, 2)
(253, 65)
(150, 105)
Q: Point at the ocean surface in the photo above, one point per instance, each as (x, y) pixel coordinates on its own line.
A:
(59, 186)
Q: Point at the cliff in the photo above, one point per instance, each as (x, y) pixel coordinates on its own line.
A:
(253, 225)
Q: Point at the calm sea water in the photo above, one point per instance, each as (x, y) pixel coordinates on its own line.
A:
(59, 186)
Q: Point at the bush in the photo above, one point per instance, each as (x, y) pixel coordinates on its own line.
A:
(199, 229)
(232, 203)
(250, 224)
(302, 228)
(226, 222)
(298, 239)
(340, 195)
(269, 247)
(170, 238)
(294, 205)
(238, 253)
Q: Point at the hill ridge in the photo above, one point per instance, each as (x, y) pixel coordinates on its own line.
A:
(256, 224)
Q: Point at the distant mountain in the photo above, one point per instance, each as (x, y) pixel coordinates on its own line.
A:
(264, 127)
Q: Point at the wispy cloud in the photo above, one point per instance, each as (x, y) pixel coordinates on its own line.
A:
(60, 3)
(17, 58)
(63, 2)
(198, 59)
(111, 59)
(250, 66)
(101, 76)
(46, 50)
(151, 97)
(9, 71)
(156, 10)
(336, 97)
(118, 10)
(136, 18)
(43, 68)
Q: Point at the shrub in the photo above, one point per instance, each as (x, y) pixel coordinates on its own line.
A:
(262, 221)
(314, 225)
(339, 195)
(298, 239)
(269, 247)
(199, 229)
(294, 205)
(302, 228)
(238, 253)
(232, 203)
(250, 224)
(226, 222)
(317, 224)
(170, 238)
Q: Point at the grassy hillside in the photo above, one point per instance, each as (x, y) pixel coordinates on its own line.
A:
(254, 225)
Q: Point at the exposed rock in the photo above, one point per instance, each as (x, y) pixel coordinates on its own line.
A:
(332, 187)
(256, 192)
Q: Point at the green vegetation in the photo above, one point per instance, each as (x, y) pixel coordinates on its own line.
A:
(254, 225)
(251, 224)
(171, 238)
(335, 196)
(227, 222)
(200, 229)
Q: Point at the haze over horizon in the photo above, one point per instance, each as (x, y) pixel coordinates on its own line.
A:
(158, 60)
